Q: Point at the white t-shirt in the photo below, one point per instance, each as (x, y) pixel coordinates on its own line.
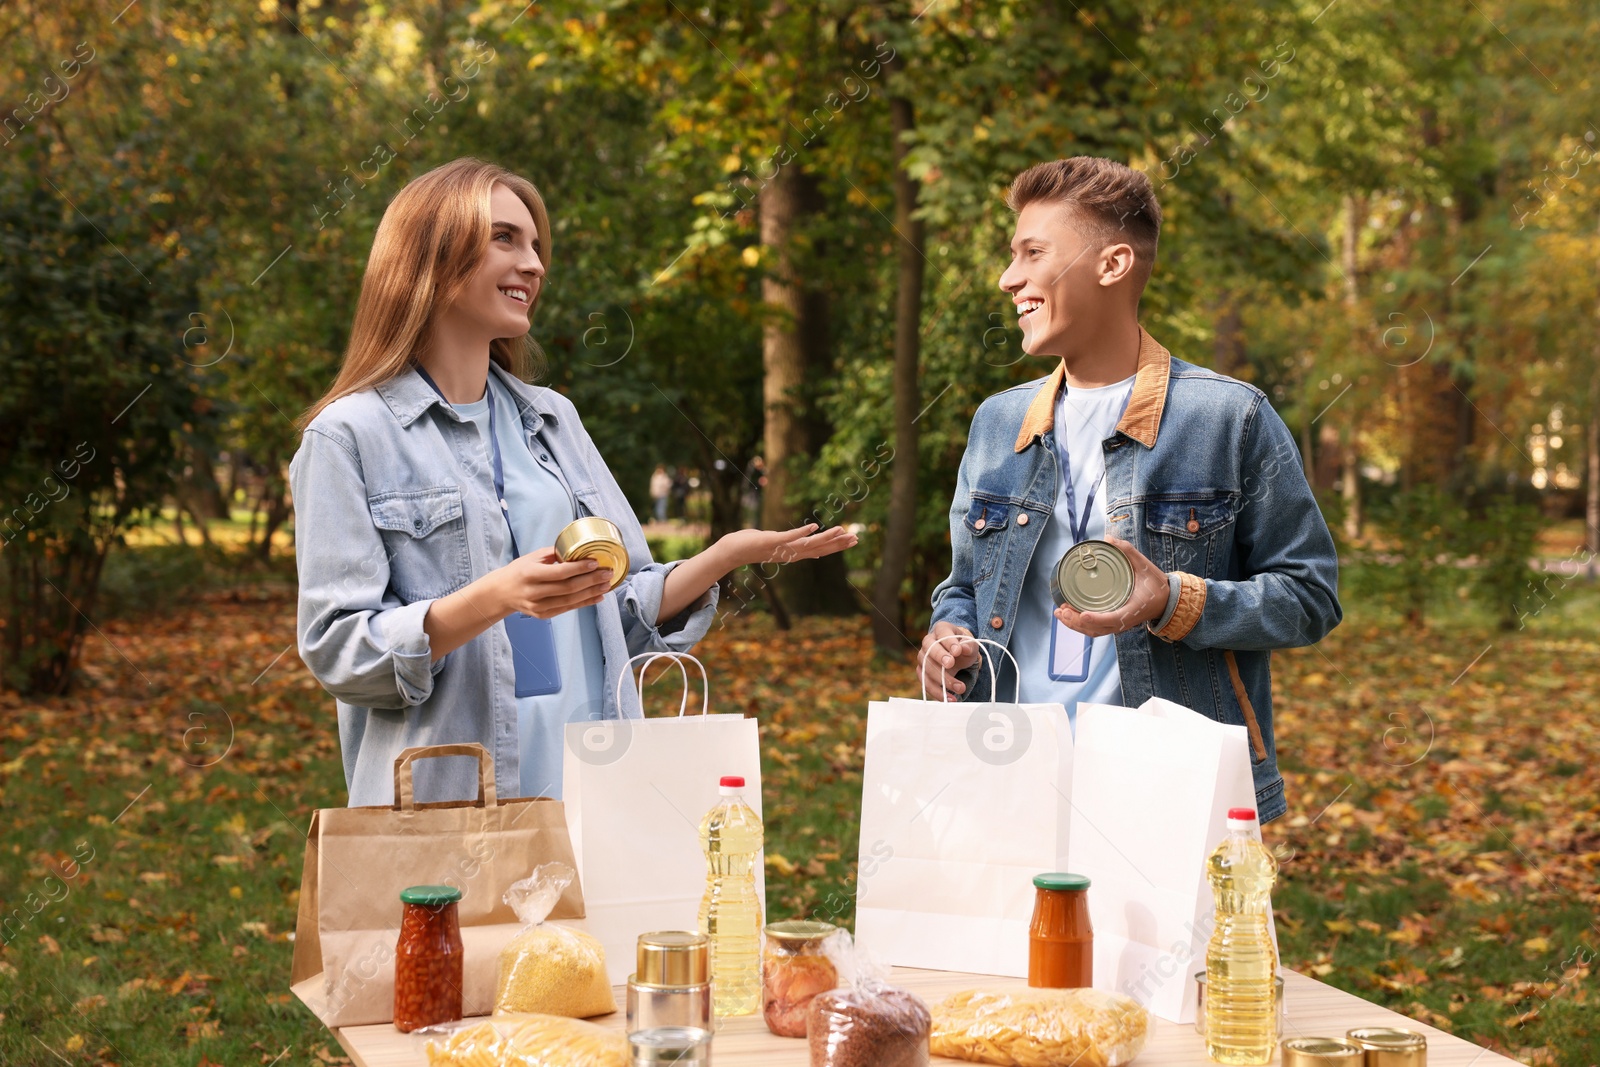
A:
(1084, 419)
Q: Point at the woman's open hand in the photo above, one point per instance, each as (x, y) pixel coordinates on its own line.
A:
(539, 584)
(748, 547)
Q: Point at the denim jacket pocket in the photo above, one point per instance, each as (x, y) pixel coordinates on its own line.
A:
(987, 518)
(425, 537)
(1182, 529)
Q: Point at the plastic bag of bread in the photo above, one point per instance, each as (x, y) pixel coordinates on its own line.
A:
(865, 1022)
(529, 1041)
(1040, 1028)
(546, 968)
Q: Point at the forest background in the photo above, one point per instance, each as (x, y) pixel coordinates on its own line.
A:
(777, 228)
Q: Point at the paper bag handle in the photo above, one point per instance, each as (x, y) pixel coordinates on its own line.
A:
(678, 658)
(994, 676)
(404, 794)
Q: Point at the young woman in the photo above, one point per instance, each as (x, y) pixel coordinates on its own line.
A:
(429, 487)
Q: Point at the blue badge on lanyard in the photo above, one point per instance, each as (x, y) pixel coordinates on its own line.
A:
(533, 642)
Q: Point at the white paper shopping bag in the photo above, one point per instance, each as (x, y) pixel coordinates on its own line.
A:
(962, 804)
(635, 791)
(1150, 795)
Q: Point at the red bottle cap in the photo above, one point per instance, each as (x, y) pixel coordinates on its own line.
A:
(737, 782)
(1242, 813)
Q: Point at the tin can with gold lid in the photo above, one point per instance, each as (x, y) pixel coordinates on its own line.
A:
(1390, 1046)
(674, 958)
(672, 986)
(593, 537)
(1093, 575)
(1319, 1051)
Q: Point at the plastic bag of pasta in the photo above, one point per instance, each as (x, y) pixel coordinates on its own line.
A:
(547, 968)
(866, 1022)
(529, 1041)
(1040, 1028)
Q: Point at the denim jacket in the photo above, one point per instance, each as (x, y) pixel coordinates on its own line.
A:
(394, 508)
(1203, 477)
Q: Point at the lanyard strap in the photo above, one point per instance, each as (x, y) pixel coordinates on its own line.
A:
(1077, 529)
(494, 441)
(1074, 527)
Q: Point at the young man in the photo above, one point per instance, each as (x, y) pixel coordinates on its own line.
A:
(1190, 473)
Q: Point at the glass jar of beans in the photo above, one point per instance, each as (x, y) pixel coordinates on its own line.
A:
(427, 960)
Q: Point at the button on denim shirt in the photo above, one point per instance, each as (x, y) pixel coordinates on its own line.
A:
(1203, 477)
(394, 508)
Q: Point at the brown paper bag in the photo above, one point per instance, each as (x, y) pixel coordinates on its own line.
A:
(359, 859)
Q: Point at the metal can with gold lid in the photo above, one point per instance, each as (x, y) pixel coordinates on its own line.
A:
(1320, 1051)
(1390, 1046)
(672, 985)
(596, 538)
(1093, 575)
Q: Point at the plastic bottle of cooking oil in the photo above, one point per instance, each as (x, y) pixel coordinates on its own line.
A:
(1241, 1019)
(730, 911)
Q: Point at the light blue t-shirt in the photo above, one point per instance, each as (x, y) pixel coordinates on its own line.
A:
(541, 505)
(1084, 419)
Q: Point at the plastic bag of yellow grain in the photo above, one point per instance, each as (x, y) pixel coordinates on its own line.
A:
(530, 1041)
(550, 969)
(1040, 1028)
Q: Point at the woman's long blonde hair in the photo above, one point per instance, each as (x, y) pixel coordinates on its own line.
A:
(431, 240)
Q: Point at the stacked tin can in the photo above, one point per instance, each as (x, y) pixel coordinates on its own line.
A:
(669, 999)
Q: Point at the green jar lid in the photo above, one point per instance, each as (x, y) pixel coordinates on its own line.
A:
(430, 895)
(1060, 880)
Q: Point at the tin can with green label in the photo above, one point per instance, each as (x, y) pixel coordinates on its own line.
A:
(1094, 575)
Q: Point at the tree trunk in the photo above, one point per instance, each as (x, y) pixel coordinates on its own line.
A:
(1354, 215)
(1350, 484)
(794, 348)
(1349, 440)
(275, 497)
(277, 515)
(1227, 351)
(206, 495)
(1326, 460)
(782, 358)
(1308, 455)
(1591, 435)
(1591, 511)
(900, 526)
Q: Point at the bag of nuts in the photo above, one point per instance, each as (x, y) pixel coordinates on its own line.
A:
(865, 1022)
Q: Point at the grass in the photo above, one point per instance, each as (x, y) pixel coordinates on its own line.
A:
(1439, 856)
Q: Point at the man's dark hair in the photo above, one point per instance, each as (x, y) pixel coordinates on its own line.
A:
(1117, 203)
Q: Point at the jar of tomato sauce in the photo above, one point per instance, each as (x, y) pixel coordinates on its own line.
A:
(427, 959)
(1060, 939)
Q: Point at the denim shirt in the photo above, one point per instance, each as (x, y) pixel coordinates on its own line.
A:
(1203, 477)
(394, 508)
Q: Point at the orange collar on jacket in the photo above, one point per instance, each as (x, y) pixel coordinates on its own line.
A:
(1142, 420)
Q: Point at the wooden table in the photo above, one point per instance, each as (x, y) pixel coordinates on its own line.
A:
(1313, 1009)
